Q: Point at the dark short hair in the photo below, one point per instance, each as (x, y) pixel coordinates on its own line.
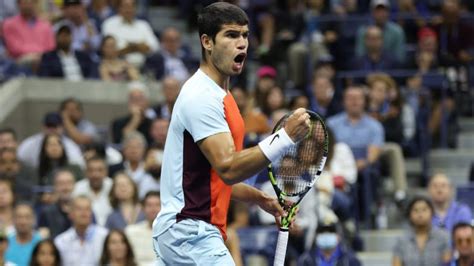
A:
(213, 17)
(150, 194)
(8, 130)
(63, 29)
(63, 104)
(460, 225)
(416, 199)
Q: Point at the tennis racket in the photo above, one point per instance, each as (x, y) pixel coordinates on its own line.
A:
(295, 173)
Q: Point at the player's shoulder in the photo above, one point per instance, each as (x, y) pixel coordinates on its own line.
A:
(200, 90)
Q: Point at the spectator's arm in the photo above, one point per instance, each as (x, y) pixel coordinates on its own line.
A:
(14, 45)
(133, 73)
(134, 121)
(373, 153)
(150, 39)
(72, 131)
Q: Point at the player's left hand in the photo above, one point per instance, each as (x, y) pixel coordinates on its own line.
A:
(272, 206)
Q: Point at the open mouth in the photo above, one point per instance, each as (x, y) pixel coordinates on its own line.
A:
(240, 58)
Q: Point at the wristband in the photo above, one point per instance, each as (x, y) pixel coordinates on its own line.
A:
(275, 145)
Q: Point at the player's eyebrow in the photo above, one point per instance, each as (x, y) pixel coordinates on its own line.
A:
(237, 32)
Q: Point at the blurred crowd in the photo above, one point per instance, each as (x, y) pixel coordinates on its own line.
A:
(387, 75)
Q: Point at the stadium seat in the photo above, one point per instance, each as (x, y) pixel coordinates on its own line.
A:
(465, 194)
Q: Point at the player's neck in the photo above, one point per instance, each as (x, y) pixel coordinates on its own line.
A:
(212, 72)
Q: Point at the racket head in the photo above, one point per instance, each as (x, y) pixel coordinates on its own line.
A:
(297, 169)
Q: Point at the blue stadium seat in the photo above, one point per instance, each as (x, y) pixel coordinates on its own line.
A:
(259, 240)
(465, 194)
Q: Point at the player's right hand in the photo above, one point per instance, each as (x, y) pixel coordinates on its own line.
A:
(297, 124)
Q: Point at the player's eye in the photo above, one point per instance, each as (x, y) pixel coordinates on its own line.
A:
(233, 35)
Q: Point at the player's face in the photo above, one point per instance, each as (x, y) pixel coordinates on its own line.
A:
(229, 49)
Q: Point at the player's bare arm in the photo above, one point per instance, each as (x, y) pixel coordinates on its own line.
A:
(234, 167)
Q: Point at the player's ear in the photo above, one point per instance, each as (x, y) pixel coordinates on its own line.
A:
(206, 42)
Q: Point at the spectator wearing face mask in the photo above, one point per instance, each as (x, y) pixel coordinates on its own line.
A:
(328, 248)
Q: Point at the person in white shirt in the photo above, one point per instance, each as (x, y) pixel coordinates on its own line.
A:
(29, 149)
(82, 243)
(135, 37)
(139, 234)
(97, 187)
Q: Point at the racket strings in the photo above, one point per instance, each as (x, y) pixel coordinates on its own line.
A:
(298, 167)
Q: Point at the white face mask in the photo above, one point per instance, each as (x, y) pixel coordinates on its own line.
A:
(326, 240)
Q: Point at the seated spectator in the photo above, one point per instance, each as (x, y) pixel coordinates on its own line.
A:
(256, 123)
(54, 219)
(266, 79)
(65, 62)
(447, 211)
(323, 101)
(393, 34)
(173, 60)
(426, 56)
(135, 37)
(26, 36)
(53, 157)
(85, 36)
(299, 101)
(124, 200)
(421, 244)
(328, 248)
(6, 206)
(76, 126)
(171, 88)
(25, 238)
(158, 132)
(82, 243)
(96, 186)
(117, 250)
(455, 35)
(153, 162)
(45, 254)
(8, 139)
(98, 11)
(410, 16)
(113, 68)
(110, 154)
(22, 177)
(463, 239)
(274, 100)
(139, 117)
(139, 233)
(374, 58)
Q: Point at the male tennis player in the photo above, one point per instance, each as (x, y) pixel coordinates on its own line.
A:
(203, 162)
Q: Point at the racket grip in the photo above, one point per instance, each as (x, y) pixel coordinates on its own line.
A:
(280, 253)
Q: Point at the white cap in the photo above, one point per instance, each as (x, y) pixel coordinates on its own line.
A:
(376, 3)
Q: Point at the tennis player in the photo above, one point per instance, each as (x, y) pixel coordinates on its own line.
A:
(204, 164)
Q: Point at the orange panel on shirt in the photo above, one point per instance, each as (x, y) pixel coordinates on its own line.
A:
(220, 192)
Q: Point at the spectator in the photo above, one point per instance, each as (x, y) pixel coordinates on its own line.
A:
(171, 88)
(135, 37)
(85, 37)
(328, 249)
(375, 58)
(173, 60)
(363, 134)
(82, 243)
(6, 206)
(26, 36)
(52, 157)
(124, 200)
(134, 147)
(153, 161)
(112, 155)
(447, 211)
(54, 219)
(8, 138)
(393, 35)
(3, 249)
(78, 128)
(22, 177)
(463, 239)
(323, 101)
(96, 186)
(299, 101)
(274, 100)
(256, 123)
(343, 7)
(98, 11)
(45, 254)
(426, 56)
(455, 35)
(410, 16)
(158, 132)
(139, 117)
(117, 250)
(112, 67)
(421, 244)
(266, 79)
(140, 233)
(25, 238)
(65, 62)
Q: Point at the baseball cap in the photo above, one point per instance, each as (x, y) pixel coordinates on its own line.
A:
(266, 71)
(52, 119)
(328, 226)
(71, 2)
(377, 3)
